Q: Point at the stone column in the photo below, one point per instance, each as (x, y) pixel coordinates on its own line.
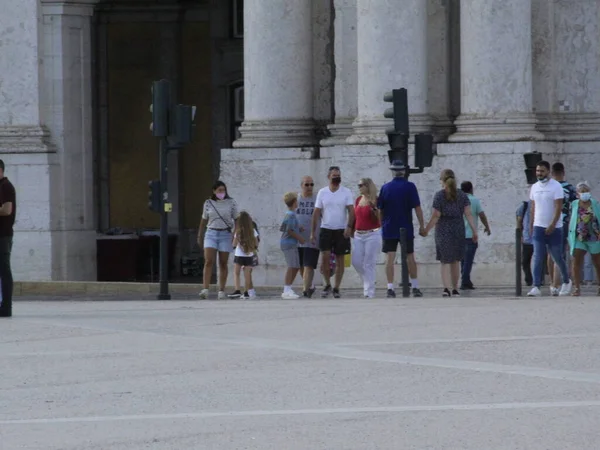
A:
(67, 111)
(496, 77)
(277, 74)
(20, 124)
(346, 72)
(392, 53)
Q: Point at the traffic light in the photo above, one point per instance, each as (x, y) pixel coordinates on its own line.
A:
(531, 161)
(161, 102)
(154, 196)
(398, 111)
(182, 124)
(423, 150)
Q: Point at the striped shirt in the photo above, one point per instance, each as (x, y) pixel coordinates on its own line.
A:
(226, 208)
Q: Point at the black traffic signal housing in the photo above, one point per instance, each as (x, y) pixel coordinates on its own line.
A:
(398, 111)
(423, 150)
(182, 125)
(154, 196)
(161, 103)
(531, 161)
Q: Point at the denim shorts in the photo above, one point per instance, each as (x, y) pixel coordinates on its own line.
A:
(219, 239)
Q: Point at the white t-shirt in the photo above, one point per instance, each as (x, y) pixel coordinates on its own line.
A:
(333, 207)
(544, 195)
(240, 252)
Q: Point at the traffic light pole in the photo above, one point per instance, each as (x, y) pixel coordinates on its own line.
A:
(164, 223)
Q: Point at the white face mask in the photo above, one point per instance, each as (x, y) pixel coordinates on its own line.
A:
(585, 196)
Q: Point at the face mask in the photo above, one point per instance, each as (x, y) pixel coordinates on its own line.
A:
(542, 179)
(585, 196)
(336, 180)
(220, 195)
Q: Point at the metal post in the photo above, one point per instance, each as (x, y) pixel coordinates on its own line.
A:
(164, 224)
(518, 261)
(403, 257)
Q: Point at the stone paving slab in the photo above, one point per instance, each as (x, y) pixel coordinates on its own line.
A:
(432, 373)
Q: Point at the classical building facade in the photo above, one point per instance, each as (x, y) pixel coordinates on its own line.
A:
(284, 88)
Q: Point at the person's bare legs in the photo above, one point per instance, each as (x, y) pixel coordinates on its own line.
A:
(446, 276)
(308, 277)
(596, 262)
(412, 266)
(223, 270)
(326, 270)
(578, 256)
(339, 270)
(248, 279)
(210, 255)
(237, 269)
(389, 266)
(290, 275)
(455, 274)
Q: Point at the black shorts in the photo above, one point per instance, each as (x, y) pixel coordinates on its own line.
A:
(334, 241)
(309, 257)
(245, 261)
(391, 245)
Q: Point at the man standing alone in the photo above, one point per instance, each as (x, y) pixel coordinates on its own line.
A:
(335, 208)
(546, 228)
(308, 252)
(8, 210)
(396, 201)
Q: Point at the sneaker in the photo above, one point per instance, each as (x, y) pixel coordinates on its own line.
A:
(290, 295)
(446, 293)
(391, 293)
(566, 288)
(553, 291)
(221, 295)
(467, 287)
(534, 292)
(416, 292)
(336, 293)
(309, 293)
(236, 294)
(203, 294)
(455, 293)
(326, 291)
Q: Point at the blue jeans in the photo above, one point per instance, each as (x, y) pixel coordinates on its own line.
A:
(553, 243)
(466, 265)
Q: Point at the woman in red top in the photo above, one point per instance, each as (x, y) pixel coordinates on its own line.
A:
(367, 235)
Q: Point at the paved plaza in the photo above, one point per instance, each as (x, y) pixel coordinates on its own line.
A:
(477, 373)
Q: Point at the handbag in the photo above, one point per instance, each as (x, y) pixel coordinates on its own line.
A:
(220, 217)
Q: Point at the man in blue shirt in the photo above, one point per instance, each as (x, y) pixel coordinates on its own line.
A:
(523, 219)
(396, 201)
(471, 247)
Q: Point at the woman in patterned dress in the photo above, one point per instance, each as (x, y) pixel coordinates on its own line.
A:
(449, 207)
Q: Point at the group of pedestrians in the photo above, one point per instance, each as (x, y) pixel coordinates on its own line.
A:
(328, 226)
(560, 220)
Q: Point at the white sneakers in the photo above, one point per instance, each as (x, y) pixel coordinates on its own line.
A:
(554, 292)
(204, 294)
(290, 295)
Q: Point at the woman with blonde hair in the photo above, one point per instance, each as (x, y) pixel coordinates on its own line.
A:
(367, 235)
(450, 205)
(584, 233)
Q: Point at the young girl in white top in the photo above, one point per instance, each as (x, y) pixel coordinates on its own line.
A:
(245, 241)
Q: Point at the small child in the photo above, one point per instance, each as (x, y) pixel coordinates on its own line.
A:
(290, 238)
(245, 241)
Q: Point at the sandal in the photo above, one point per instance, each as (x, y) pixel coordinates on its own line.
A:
(576, 292)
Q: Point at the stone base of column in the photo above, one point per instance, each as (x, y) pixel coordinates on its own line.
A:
(569, 126)
(369, 131)
(507, 128)
(277, 134)
(25, 139)
(339, 132)
(442, 128)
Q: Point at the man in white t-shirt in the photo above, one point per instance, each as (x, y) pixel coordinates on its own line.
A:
(546, 227)
(335, 208)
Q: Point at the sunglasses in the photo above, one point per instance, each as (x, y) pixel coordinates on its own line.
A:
(309, 184)
(360, 185)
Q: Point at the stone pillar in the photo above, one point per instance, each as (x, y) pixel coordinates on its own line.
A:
(67, 112)
(496, 77)
(346, 72)
(392, 53)
(277, 74)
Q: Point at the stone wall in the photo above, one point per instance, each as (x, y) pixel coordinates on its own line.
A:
(257, 179)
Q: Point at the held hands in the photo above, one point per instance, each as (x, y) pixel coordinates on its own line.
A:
(422, 232)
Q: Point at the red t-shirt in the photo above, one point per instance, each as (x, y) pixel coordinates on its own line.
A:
(365, 217)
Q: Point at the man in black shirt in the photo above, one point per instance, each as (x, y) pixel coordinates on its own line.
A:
(8, 211)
